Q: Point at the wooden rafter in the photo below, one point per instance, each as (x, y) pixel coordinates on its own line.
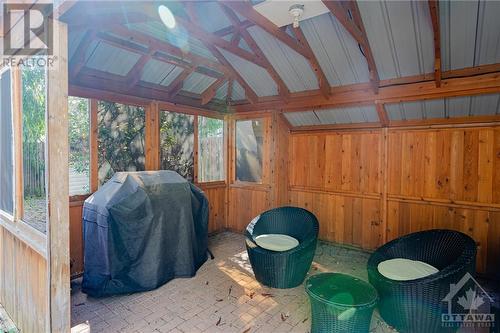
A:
(250, 94)
(283, 90)
(324, 85)
(229, 91)
(434, 10)
(245, 9)
(134, 75)
(231, 29)
(347, 13)
(382, 114)
(177, 84)
(210, 92)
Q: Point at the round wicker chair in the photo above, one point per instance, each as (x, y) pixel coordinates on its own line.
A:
(286, 269)
(416, 305)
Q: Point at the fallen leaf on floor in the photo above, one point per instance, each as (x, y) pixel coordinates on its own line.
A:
(251, 295)
(218, 321)
(284, 316)
(267, 295)
(206, 283)
(219, 299)
(247, 330)
(303, 321)
(79, 304)
(230, 289)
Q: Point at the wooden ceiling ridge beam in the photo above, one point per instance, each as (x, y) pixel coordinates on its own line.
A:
(283, 90)
(324, 85)
(250, 94)
(246, 10)
(347, 13)
(199, 33)
(211, 91)
(434, 11)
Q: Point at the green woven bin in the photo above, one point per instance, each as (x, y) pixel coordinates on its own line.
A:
(340, 303)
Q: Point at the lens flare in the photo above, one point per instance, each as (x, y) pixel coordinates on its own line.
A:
(166, 16)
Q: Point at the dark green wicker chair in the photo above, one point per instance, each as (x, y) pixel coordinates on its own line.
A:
(416, 305)
(286, 269)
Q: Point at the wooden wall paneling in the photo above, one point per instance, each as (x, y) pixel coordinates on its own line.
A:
(244, 205)
(217, 202)
(76, 237)
(58, 175)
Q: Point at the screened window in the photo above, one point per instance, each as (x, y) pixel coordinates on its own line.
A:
(6, 145)
(79, 146)
(34, 137)
(120, 139)
(210, 149)
(176, 143)
(249, 142)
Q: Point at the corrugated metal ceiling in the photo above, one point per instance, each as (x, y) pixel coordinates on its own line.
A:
(256, 77)
(158, 72)
(445, 108)
(400, 36)
(337, 52)
(238, 92)
(348, 115)
(197, 83)
(222, 92)
(110, 59)
(211, 16)
(178, 37)
(293, 68)
(469, 33)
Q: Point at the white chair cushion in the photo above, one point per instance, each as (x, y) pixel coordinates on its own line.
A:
(276, 242)
(400, 269)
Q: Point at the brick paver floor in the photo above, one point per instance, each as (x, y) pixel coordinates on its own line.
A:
(223, 297)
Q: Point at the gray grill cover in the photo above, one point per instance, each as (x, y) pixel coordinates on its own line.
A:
(142, 229)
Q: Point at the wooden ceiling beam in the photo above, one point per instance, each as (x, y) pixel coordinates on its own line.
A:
(347, 13)
(231, 29)
(207, 37)
(134, 75)
(283, 90)
(210, 92)
(361, 93)
(245, 9)
(324, 85)
(382, 114)
(178, 83)
(434, 11)
(229, 91)
(250, 94)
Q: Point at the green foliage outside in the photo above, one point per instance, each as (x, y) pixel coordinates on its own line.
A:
(121, 139)
(176, 143)
(34, 127)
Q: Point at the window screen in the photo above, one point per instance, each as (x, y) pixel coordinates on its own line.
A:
(79, 146)
(120, 139)
(210, 149)
(6, 145)
(249, 142)
(176, 143)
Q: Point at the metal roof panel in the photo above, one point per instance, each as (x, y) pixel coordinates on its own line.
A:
(110, 59)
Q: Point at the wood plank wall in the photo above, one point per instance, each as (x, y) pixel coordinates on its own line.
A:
(23, 283)
(368, 187)
(247, 200)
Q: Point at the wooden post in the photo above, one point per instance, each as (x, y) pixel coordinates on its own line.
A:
(94, 146)
(152, 137)
(58, 185)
